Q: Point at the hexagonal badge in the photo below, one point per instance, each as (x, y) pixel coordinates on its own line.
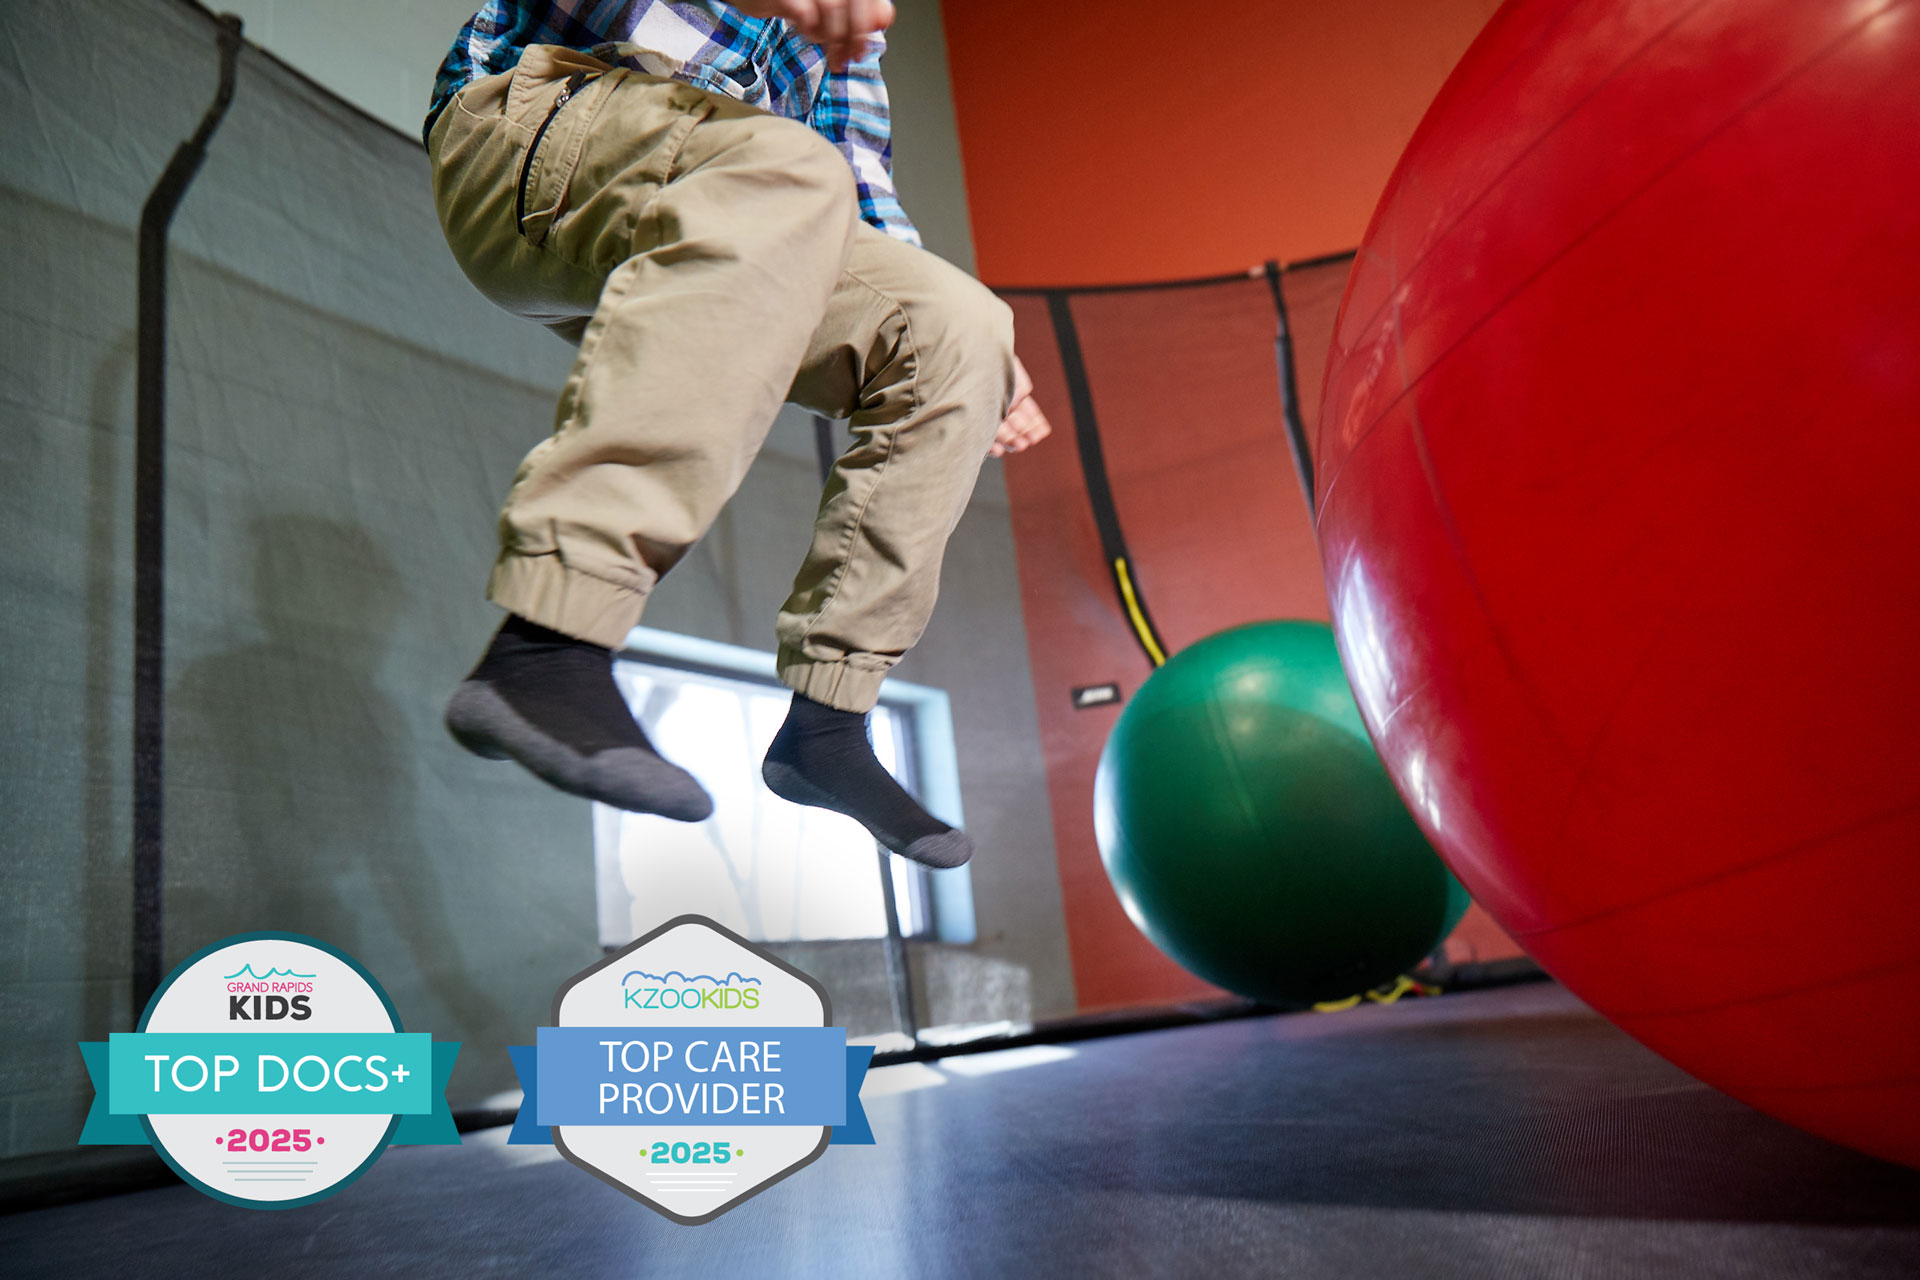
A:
(691, 1070)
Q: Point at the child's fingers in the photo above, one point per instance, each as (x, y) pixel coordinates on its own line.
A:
(1027, 425)
(803, 16)
(1024, 427)
(833, 23)
(844, 54)
(864, 17)
(843, 28)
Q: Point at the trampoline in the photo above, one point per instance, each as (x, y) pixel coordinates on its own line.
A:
(1497, 1133)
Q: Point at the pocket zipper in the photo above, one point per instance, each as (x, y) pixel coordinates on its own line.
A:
(567, 91)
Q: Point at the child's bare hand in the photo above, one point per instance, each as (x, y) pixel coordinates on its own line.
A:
(1025, 425)
(841, 27)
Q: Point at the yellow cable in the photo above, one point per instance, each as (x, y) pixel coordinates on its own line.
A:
(1399, 988)
(1139, 619)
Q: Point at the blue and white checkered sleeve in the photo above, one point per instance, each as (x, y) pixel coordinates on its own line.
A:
(851, 112)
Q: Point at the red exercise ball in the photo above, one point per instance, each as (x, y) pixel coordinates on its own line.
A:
(1619, 500)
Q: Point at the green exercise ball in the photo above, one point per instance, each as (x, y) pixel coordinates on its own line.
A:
(1251, 832)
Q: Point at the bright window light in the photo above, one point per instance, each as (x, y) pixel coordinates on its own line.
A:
(986, 1064)
(770, 870)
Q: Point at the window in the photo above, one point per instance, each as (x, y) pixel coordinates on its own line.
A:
(770, 870)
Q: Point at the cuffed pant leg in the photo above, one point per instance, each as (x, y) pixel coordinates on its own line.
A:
(919, 356)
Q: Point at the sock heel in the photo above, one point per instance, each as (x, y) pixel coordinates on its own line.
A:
(787, 782)
(467, 729)
(634, 778)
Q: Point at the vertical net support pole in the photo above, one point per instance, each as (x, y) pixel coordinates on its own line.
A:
(149, 530)
(1093, 470)
(1289, 388)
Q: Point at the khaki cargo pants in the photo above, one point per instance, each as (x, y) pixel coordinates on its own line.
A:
(711, 262)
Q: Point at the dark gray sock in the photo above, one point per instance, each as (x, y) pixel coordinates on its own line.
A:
(549, 702)
(823, 757)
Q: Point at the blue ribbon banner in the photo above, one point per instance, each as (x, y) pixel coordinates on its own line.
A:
(269, 1073)
(788, 1076)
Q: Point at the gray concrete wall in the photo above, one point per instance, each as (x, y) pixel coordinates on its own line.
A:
(345, 413)
(380, 55)
(926, 140)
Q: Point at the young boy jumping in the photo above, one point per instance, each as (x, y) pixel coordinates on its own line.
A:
(700, 195)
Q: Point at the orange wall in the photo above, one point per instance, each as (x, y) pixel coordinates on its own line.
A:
(1129, 141)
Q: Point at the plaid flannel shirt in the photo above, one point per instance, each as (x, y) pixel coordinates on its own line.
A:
(759, 61)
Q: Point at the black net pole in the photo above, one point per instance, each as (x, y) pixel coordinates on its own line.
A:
(1093, 470)
(149, 530)
(1289, 388)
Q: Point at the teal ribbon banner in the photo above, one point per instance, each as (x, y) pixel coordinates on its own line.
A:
(298, 1073)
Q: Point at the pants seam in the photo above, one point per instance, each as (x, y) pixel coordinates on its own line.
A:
(637, 218)
(574, 568)
(832, 589)
(588, 353)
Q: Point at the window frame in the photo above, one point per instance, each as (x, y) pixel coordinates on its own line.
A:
(944, 898)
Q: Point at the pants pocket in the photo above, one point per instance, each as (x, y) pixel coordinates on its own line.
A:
(542, 195)
(630, 150)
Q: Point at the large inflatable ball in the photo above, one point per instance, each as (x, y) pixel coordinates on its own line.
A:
(1619, 474)
(1250, 831)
